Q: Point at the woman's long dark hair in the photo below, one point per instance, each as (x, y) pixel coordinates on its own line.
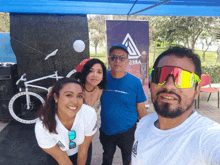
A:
(86, 70)
(47, 112)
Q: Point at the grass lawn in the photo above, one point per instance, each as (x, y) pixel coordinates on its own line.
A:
(100, 56)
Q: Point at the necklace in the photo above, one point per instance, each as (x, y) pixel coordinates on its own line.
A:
(91, 90)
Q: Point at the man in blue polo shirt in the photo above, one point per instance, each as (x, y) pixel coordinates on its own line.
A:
(122, 104)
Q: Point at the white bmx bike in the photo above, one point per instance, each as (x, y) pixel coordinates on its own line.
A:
(23, 106)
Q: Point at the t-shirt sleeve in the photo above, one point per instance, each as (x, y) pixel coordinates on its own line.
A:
(91, 123)
(141, 97)
(44, 138)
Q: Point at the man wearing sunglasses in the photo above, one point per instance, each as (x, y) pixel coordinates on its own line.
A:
(176, 134)
(122, 104)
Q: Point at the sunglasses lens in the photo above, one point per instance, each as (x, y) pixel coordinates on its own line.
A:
(72, 135)
(165, 71)
(187, 81)
(72, 145)
(121, 58)
(182, 78)
(113, 58)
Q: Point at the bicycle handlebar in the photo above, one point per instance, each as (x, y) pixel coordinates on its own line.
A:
(21, 79)
(51, 54)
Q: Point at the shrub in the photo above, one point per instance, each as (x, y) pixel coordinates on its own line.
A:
(213, 71)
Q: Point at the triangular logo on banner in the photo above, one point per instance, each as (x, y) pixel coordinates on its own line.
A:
(132, 48)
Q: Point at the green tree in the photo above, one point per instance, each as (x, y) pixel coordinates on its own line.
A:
(216, 36)
(155, 33)
(218, 49)
(182, 30)
(206, 39)
(185, 29)
(4, 22)
(218, 53)
(97, 31)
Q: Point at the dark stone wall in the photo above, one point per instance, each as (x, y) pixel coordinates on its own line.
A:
(33, 36)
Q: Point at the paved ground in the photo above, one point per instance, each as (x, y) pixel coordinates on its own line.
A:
(208, 109)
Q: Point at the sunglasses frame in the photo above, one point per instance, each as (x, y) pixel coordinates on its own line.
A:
(118, 57)
(196, 80)
(71, 141)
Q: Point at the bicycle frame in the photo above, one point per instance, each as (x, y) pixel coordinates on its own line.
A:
(20, 109)
(28, 84)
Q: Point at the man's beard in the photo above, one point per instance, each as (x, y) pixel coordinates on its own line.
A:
(164, 109)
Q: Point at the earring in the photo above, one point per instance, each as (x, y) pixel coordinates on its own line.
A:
(55, 105)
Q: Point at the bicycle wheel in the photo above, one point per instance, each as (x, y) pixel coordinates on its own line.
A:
(18, 107)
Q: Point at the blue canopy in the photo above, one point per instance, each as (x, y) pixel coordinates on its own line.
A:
(114, 7)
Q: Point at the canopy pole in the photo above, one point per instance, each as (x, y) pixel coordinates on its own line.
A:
(131, 9)
(164, 2)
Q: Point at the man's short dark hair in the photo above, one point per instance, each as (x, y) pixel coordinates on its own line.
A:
(182, 52)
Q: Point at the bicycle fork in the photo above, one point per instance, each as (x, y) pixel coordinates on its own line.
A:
(27, 98)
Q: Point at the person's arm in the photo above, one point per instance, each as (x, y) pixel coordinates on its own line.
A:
(60, 156)
(141, 109)
(83, 150)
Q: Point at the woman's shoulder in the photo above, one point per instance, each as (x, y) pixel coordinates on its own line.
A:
(87, 109)
(39, 126)
(39, 122)
(87, 113)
